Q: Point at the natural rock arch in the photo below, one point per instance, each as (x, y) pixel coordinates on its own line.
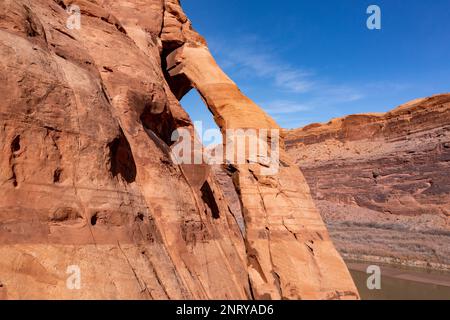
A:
(289, 252)
(106, 85)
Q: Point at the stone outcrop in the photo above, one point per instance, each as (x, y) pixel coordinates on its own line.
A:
(88, 182)
(382, 181)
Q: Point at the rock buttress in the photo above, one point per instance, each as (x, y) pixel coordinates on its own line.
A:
(85, 174)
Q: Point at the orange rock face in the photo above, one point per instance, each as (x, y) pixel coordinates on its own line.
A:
(382, 181)
(90, 189)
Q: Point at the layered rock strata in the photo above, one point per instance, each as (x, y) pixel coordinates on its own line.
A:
(382, 181)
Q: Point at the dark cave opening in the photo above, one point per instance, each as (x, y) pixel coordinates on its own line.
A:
(210, 201)
(121, 157)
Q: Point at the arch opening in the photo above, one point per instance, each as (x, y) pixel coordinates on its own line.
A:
(205, 126)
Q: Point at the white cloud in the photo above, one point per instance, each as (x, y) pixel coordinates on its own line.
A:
(279, 107)
(248, 59)
(294, 80)
(299, 90)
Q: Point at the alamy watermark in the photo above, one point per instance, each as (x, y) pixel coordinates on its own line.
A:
(374, 20)
(73, 22)
(374, 280)
(239, 147)
(73, 282)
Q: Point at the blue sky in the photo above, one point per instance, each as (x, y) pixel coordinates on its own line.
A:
(308, 61)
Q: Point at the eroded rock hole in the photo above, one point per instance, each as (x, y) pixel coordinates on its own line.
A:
(94, 219)
(162, 125)
(122, 161)
(210, 201)
(57, 175)
(61, 4)
(230, 169)
(15, 144)
(14, 178)
(140, 217)
(155, 115)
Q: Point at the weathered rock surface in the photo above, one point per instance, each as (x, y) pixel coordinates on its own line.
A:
(382, 181)
(86, 118)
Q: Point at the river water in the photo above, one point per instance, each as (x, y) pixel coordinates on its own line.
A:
(402, 284)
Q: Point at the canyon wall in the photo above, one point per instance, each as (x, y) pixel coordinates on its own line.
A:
(382, 181)
(90, 188)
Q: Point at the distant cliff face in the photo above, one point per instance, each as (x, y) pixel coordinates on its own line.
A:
(92, 204)
(382, 181)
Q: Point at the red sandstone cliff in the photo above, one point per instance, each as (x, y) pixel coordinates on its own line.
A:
(86, 118)
(382, 181)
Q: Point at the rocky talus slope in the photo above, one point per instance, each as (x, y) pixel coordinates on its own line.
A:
(382, 181)
(88, 182)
